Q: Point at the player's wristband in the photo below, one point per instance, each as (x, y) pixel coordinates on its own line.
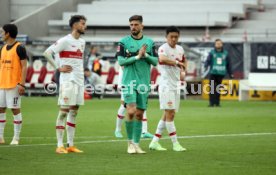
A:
(176, 62)
(146, 55)
(137, 57)
(21, 85)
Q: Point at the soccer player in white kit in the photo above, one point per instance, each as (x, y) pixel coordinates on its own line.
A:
(171, 60)
(71, 93)
(121, 113)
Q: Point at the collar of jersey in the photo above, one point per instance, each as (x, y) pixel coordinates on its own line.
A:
(137, 39)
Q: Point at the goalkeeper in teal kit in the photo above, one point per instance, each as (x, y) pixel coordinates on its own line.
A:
(136, 53)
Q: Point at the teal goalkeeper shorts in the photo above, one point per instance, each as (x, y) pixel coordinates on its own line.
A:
(135, 97)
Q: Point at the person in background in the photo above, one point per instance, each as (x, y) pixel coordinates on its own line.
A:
(97, 65)
(93, 79)
(91, 57)
(219, 62)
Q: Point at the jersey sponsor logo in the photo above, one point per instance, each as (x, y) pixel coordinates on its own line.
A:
(6, 62)
(71, 54)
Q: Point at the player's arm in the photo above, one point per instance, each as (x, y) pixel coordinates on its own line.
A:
(165, 60)
(54, 49)
(121, 56)
(21, 52)
(152, 59)
(49, 55)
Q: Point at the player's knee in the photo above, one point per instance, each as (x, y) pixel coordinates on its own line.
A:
(170, 115)
(64, 109)
(131, 111)
(15, 111)
(73, 113)
(75, 108)
(62, 114)
(139, 115)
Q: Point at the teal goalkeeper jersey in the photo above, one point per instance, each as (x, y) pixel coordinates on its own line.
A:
(137, 71)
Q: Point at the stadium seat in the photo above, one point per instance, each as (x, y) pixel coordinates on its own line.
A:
(30, 72)
(189, 13)
(37, 65)
(42, 75)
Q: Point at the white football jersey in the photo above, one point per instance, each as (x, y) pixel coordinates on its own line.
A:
(70, 52)
(170, 75)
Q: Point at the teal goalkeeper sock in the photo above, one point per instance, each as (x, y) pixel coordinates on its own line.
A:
(137, 131)
(129, 129)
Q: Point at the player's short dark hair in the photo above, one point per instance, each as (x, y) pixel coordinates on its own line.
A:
(136, 18)
(11, 29)
(76, 18)
(172, 29)
(86, 70)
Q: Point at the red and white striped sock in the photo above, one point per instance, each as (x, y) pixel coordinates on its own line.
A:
(71, 127)
(17, 123)
(172, 131)
(60, 126)
(145, 123)
(2, 124)
(158, 134)
(120, 117)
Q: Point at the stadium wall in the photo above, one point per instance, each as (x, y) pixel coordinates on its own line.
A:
(5, 12)
(35, 24)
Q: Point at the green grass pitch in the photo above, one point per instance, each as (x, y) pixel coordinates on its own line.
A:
(237, 139)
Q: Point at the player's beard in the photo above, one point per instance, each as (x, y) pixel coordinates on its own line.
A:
(136, 33)
(81, 32)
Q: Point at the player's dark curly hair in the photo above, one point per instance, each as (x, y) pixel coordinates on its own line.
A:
(136, 18)
(11, 29)
(76, 18)
(172, 29)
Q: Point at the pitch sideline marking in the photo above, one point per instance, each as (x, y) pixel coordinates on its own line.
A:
(120, 140)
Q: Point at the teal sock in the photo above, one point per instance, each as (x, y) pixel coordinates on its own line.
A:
(129, 129)
(137, 131)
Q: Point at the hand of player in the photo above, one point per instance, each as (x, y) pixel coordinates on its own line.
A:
(21, 90)
(65, 69)
(142, 51)
(181, 65)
